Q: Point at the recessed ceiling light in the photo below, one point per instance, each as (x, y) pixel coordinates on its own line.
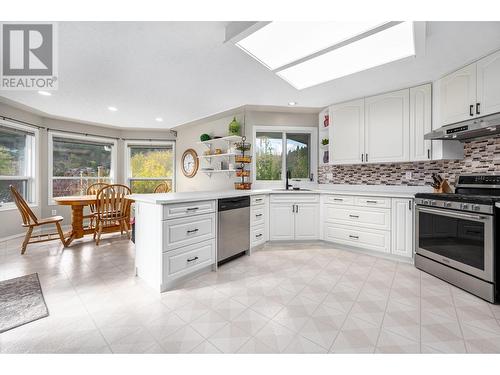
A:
(394, 43)
(45, 93)
(113, 109)
(281, 43)
(292, 103)
(159, 119)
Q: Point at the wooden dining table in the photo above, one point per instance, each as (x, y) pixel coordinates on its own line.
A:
(77, 203)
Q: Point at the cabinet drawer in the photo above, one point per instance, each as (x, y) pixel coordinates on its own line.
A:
(373, 202)
(340, 199)
(375, 218)
(176, 210)
(257, 215)
(376, 240)
(257, 200)
(187, 259)
(294, 198)
(257, 236)
(189, 230)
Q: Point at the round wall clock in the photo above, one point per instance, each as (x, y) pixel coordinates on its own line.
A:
(189, 163)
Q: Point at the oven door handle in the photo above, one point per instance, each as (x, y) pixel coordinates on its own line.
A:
(452, 213)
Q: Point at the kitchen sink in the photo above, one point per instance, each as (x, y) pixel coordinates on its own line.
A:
(292, 190)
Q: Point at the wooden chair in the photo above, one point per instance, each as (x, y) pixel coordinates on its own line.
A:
(113, 210)
(31, 221)
(164, 187)
(92, 190)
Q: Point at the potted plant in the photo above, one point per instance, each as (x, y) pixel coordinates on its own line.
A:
(234, 127)
(325, 141)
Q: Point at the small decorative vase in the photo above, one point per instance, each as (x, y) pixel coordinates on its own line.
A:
(234, 127)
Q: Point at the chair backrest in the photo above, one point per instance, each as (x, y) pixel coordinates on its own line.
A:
(92, 190)
(112, 203)
(164, 187)
(28, 216)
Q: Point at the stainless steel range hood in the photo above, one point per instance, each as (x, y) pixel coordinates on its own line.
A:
(474, 128)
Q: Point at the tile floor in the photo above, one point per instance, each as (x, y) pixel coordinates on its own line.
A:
(285, 298)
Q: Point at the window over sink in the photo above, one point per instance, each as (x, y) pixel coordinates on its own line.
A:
(277, 150)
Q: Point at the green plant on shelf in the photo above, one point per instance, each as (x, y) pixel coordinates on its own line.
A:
(325, 141)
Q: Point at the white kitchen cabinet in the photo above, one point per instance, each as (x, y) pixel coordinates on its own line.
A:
(387, 129)
(306, 221)
(402, 227)
(282, 222)
(420, 122)
(457, 95)
(294, 217)
(347, 132)
(488, 85)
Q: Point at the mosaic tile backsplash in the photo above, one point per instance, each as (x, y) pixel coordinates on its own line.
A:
(480, 156)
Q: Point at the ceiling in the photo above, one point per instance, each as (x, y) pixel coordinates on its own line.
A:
(183, 71)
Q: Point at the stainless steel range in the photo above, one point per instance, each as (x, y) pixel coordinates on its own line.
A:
(455, 234)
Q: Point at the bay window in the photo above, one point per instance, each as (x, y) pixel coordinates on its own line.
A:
(17, 162)
(149, 164)
(76, 162)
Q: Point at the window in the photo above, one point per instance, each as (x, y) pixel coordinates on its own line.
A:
(17, 162)
(150, 164)
(76, 162)
(289, 149)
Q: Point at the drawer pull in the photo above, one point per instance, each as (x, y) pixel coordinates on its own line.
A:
(192, 231)
(375, 202)
(258, 235)
(192, 259)
(258, 215)
(338, 199)
(192, 208)
(354, 216)
(354, 237)
(258, 200)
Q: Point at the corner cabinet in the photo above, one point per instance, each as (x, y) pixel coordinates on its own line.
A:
(294, 217)
(387, 133)
(347, 132)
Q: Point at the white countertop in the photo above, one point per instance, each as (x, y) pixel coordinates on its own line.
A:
(364, 190)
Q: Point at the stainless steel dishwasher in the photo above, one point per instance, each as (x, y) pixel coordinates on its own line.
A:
(233, 230)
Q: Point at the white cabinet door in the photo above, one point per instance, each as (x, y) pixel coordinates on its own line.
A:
(457, 95)
(420, 122)
(347, 132)
(488, 85)
(307, 222)
(281, 222)
(387, 128)
(402, 227)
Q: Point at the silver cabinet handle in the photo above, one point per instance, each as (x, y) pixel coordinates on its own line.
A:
(258, 199)
(354, 237)
(258, 215)
(192, 259)
(258, 235)
(338, 199)
(428, 153)
(374, 202)
(297, 208)
(192, 231)
(192, 208)
(362, 157)
(366, 158)
(354, 216)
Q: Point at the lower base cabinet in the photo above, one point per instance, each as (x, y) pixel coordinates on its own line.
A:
(402, 227)
(371, 239)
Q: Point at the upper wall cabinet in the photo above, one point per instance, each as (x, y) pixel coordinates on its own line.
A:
(457, 95)
(420, 122)
(387, 130)
(470, 92)
(488, 85)
(348, 133)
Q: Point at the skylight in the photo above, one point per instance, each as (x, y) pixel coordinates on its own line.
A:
(280, 43)
(394, 43)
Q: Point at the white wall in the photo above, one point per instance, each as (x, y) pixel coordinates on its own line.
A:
(188, 135)
(10, 219)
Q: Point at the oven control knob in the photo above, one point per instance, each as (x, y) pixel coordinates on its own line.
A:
(426, 203)
(465, 206)
(433, 203)
(476, 207)
(447, 204)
